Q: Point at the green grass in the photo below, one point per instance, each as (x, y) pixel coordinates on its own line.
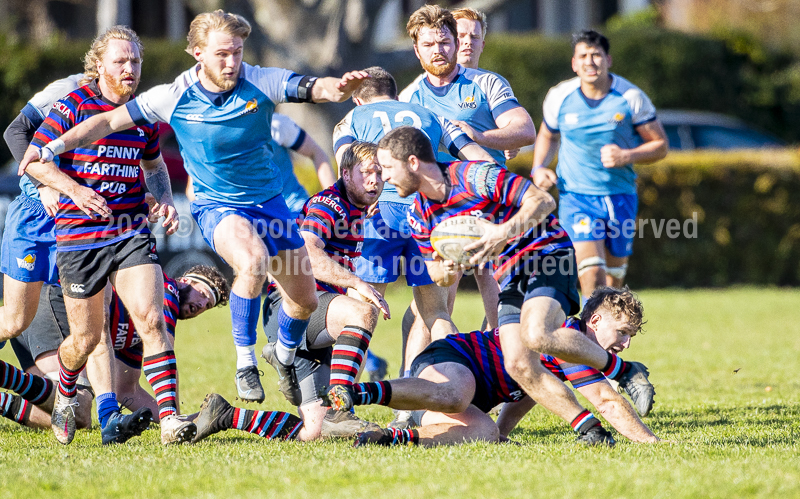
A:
(731, 436)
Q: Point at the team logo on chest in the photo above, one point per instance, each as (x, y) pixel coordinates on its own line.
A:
(250, 107)
(469, 103)
(616, 119)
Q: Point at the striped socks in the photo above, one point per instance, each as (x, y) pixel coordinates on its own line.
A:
(14, 407)
(161, 371)
(584, 421)
(267, 424)
(348, 352)
(32, 388)
(67, 379)
(615, 367)
(393, 436)
(379, 392)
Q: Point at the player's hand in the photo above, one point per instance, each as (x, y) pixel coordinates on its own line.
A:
(90, 202)
(49, 198)
(31, 155)
(511, 153)
(171, 218)
(544, 178)
(471, 132)
(613, 156)
(490, 245)
(372, 210)
(152, 207)
(351, 81)
(374, 296)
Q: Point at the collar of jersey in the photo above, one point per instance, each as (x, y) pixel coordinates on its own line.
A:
(442, 91)
(218, 99)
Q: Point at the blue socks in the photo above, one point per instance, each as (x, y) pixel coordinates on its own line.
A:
(106, 406)
(290, 330)
(244, 319)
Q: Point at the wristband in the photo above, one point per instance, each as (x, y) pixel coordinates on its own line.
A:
(533, 170)
(51, 150)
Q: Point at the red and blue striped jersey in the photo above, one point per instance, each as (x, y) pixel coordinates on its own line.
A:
(489, 191)
(126, 342)
(110, 166)
(576, 374)
(331, 216)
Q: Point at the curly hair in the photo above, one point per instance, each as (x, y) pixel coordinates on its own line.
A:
(431, 16)
(99, 47)
(620, 302)
(214, 277)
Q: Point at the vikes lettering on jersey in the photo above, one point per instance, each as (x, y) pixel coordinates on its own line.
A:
(27, 263)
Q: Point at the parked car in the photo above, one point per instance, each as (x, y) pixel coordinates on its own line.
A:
(689, 130)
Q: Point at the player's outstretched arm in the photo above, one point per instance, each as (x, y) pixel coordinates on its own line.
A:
(91, 130)
(156, 177)
(474, 152)
(617, 411)
(515, 129)
(331, 89)
(535, 206)
(322, 163)
(543, 153)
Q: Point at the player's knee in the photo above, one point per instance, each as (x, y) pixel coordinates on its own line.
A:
(86, 343)
(152, 323)
(252, 264)
(518, 366)
(301, 307)
(452, 401)
(367, 314)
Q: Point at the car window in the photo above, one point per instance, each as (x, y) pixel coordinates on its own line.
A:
(718, 137)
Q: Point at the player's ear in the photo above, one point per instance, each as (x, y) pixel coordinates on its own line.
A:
(609, 60)
(357, 101)
(413, 163)
(416, 51)
(197, 52)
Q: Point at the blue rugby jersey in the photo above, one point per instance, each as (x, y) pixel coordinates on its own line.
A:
(586, 125)
(331, 216)
(576, 374)
(110, 166)
(489, 191)
(288, 136)
(125, 340)
(476, 96)
(370, 122)
(226, 140)
(36, 111)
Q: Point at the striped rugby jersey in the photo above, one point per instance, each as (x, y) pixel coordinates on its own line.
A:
(110, 166)
(483, 351)
(331, 216)
(489, 191)
(370, 122)
(124, 338)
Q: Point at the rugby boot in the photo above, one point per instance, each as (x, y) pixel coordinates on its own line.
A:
(248, 384)
(377, 437)
(402, 420)
(122, 427)
(345, 424)
(62, 420)
(635, 382)
(596, 435)
(287, 378)
(339, 398)
(215, 415)
(175, 430)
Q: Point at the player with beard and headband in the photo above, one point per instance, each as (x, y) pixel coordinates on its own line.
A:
(220, 111)
(535, 267)
(340, 329)
(102, 231)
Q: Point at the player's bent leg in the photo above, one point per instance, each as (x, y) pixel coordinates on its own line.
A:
(217, 414)
(592, 263)
(469, 425)
(20, 302)
(431, 302)
(351, 322)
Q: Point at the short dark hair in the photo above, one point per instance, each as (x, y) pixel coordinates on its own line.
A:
(406, 141)
(380, 84)
(356, 153)
(617, 301)
(592, 39)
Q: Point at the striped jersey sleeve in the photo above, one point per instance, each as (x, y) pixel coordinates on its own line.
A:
(578, 375)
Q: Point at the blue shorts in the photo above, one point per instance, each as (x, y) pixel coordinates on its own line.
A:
(600, 218)
(29, 243)
(387, 240)
(272, 221)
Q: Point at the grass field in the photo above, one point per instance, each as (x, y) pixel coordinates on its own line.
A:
(724, 363)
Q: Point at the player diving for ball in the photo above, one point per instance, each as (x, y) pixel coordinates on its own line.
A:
(458, 379)
(535, 264)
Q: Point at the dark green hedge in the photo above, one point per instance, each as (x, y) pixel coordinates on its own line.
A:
(748, 220)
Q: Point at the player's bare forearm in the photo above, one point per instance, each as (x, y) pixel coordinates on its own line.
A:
(474, 152)
(536, 205)
(156, 177)
(617, 411)
(330, 89)
(515, 129)
(325, 268)
(50, 175)
(546, 146)
(97, 127)
(512, 413)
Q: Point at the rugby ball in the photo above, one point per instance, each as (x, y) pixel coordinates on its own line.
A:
(450, 237)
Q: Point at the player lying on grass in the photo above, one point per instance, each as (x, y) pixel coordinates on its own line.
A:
(459, 379)
(340, 329)
(199, 289)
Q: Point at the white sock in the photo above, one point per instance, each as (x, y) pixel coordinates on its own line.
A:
(284, 354)
(246, 356)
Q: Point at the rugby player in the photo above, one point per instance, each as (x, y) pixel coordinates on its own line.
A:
(217, 109)
(387, 237)
(535, 266)
(199, 289)
(600, 124)
(102, 229)
(457, 380)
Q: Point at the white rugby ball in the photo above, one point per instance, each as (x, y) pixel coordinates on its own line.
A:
(450, 237)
